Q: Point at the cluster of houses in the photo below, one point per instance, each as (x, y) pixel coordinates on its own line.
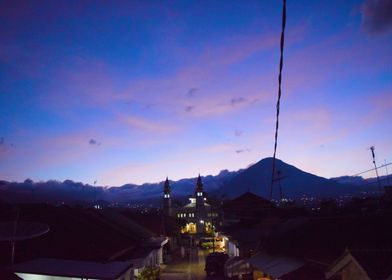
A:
(83, 243)
(262, 240)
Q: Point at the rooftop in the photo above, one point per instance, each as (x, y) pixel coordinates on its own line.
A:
(70, 268)
(75, 233)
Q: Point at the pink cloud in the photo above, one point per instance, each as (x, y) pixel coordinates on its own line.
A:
(145, 125)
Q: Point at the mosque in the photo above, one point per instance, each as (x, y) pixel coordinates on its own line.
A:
(198, 214)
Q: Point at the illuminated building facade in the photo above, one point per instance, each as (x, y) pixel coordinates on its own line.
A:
(198, 214)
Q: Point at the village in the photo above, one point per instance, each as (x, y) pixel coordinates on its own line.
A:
(102, 100)
(247, 237)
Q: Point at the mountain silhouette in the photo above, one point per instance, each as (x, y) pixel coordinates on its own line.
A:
(294, 183)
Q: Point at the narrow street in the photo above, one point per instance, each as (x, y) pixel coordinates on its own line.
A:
(189, 267)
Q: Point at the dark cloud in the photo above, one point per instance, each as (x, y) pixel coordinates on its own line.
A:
(242, 151)
(149, 106)
(5, 145)
(188, 109)
(238, 132)
(192, 92)
(237, 100)
(377, 16)
(94, 142)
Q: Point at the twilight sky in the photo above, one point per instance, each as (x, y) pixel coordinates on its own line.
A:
(134, 91)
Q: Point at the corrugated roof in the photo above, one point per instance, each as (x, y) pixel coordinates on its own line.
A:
(275, 266)
(70, 268)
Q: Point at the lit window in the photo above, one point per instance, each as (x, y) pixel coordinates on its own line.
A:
(199, 194)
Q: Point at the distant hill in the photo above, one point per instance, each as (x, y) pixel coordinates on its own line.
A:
(180, 188)
(295, 182)
(359, 181)
(256, 178)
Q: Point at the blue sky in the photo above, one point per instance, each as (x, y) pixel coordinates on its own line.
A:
(134, 91)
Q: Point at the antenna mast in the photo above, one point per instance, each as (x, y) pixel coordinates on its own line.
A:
(372, 148)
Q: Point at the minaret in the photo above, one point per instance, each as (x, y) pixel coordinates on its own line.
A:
(200, 214)
(166, 199)
(199, 194)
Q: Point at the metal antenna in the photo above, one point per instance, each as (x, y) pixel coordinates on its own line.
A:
(386, 170)
(14, 235)
(96, 195)
(372, 148)
(280, 186)
(278, 179)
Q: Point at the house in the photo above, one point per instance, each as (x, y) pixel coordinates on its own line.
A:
(319, 241)
(86, 235)
(245, 220)
(247, 208)
(242, 241)
(362, 264)
(159, 224)
(266, 266)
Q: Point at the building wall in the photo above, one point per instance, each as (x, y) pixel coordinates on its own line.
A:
(352, 271)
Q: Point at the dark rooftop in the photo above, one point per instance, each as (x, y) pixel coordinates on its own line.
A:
(75, 233)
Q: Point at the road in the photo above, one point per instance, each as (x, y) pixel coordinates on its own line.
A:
(189, 267)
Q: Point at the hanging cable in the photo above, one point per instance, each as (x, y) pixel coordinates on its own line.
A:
(279, 95)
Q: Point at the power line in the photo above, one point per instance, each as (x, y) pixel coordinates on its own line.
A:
(279, 94)
(384, 165)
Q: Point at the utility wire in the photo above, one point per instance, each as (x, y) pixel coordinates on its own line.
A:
(386, 164)
(279, 94)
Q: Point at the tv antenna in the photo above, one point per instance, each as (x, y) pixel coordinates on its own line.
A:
(386, 170)
(372, 148)
(278, 178)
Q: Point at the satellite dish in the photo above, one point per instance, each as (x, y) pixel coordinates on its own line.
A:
(16, 231)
